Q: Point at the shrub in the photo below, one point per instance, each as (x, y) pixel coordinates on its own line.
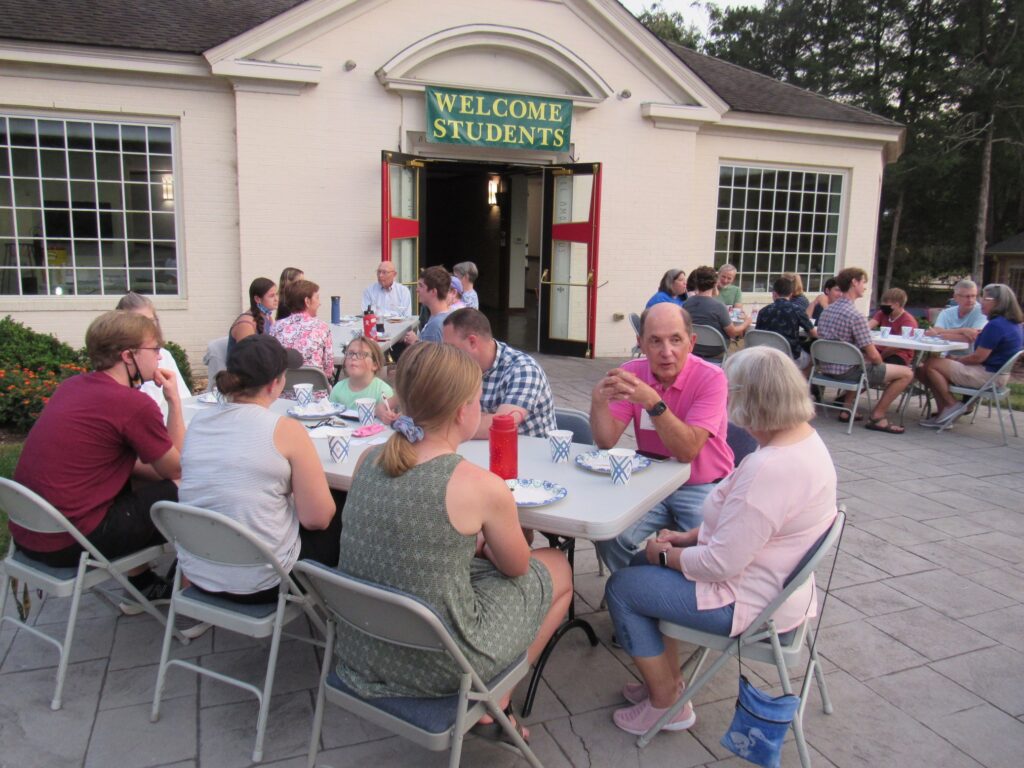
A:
(24, 392)
(21, 346)
(183, 366)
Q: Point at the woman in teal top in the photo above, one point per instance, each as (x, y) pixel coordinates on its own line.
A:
(363, 359)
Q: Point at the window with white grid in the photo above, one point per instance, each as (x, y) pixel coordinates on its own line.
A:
(87, 207)
(775, 220)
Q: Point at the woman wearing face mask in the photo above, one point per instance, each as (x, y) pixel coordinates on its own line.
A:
(259, 318)
(891, 314)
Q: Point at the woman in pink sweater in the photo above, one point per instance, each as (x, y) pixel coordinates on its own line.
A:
(758, 524)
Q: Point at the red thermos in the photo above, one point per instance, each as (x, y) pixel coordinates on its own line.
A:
(369, 324)
(504, 438)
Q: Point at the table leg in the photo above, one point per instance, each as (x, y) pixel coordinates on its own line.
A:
(909, 392)
(567, 545)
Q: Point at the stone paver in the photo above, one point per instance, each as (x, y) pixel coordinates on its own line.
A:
(921, 645)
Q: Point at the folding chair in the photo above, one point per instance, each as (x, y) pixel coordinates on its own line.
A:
(218, 539)
(741, 442)
(634, 320)
(395, 617)
(32, 512)
(762, 642)
(712, 338)
(757, 338)
(215, 360)
(840, 353)
(307, 374)
(990, 392)
(576, 421)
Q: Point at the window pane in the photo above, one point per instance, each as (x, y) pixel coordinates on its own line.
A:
(31, 253)
(51, 133)
(133, 138)
(162, 197)
(84, 224)
(23, 132)
(87, 254)
(140, 254)
(108, 166)
(111, 224)
(112, 254)
(160, 140)
(83, 194)
(79, 135)
(88, 282)
(26, 193)
(3, 131)
(140, 280)
(81, 165)
(138, 225)
(107, 137)
(29, 222)
(6, 228)
(115, 281)
(137, 197)
(58, 223)
(110, 196)
(163, 226)
(23, 162)
(54, 164)
(135, 168)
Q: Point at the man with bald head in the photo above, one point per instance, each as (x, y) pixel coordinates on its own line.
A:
(387, 296)
(676, 403)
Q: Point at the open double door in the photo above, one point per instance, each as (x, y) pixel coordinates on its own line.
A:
(571, 209)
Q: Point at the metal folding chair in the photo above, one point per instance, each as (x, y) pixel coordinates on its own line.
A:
(307, 374)
(215, 360)
(762, 642)
(759, 338)
(634, 320)
(437, 724)
(34, 513)
(840, 353)
(710, 337)
(991, 392)
(216, 538)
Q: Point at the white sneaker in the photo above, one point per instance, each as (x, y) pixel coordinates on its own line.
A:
(189, 627)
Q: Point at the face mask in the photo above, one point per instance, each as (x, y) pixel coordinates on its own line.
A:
(886, 309)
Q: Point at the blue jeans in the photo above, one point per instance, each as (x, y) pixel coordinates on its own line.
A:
(639, 596)
(680, 511)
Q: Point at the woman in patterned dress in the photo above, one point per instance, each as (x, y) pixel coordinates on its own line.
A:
(422, 520)
(302, 330)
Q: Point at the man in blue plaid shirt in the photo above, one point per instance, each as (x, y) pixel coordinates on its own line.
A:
(513, 381)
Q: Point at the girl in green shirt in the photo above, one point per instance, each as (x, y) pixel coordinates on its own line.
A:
(363, 359)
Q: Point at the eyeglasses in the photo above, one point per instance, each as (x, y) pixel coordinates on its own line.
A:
(151, 349)
(356, 355)
(988, 298)
(385, 271)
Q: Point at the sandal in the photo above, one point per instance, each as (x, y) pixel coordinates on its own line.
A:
(844, 418)
(889, 428)
(494, 731)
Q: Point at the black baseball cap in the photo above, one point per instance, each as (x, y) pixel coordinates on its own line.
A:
(259, 359)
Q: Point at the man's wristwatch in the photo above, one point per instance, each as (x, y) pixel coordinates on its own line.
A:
(663, 554)
(658, 409)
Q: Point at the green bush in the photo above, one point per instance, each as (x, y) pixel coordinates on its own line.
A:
(183, 366)
(21, 346)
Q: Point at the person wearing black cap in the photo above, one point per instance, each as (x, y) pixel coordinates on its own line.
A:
(260, 469)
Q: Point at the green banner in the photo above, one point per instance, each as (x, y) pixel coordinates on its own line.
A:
(483, 119)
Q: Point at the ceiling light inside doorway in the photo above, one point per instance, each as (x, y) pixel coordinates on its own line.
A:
(492, 192)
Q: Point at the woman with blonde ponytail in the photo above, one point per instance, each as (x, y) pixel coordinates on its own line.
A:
(422, 520)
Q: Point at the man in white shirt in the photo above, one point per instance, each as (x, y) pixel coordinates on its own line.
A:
(387, 296)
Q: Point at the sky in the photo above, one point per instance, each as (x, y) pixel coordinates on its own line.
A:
(693, 15)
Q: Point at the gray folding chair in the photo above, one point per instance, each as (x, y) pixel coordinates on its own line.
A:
(218, 539)
(215, 360)
(756, 338)
(840, 353)
(577, 422)
(307, 374)
(34, 513)
(437, 724)
(991, 392)
(634, 320)
(713, 339)
(762, 642)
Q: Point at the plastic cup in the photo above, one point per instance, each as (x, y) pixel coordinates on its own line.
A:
(303, 394)
(906, 332)
(621, 460)
(918, 334)
(338, 443)
(560, 440)
(885, 331)
(366, 406)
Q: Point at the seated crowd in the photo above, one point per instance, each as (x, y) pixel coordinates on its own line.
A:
(421, 519)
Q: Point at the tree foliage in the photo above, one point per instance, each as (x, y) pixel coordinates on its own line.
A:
(951, 71)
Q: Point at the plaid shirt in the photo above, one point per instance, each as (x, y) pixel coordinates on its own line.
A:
(785, 318)
(842, 322)
(516, 379)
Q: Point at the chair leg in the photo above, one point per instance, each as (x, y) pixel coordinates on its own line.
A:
(165, 651)
(455, 750)
(318, 712)
(689, 693)
(65, 650)
(520, 744)
(787, 687)
(268, 683)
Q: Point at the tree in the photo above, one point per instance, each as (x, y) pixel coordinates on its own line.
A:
(671, 27)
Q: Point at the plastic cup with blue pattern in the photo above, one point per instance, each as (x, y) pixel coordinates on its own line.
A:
(365, 407)
(560, 441)
(303, 394)
(338, 443)
(621, 461)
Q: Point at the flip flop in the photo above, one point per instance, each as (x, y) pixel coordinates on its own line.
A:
(493, 731)
(846, 420)
(889, 428)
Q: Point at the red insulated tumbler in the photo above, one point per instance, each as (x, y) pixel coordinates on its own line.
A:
(504, 440)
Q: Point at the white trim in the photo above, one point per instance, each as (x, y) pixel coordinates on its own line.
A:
(305, 74)
(742, 123)
(394, 74)
(677, 116)
(51, 54)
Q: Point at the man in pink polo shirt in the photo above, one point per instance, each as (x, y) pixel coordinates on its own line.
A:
(676, 402)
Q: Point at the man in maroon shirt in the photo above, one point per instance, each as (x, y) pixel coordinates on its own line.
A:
(100, 452)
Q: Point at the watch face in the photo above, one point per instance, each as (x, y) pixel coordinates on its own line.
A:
(663, 557)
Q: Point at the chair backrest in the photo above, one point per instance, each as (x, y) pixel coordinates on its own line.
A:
(836, 353)
(807, 565)
(710, 337)
(576, 421)
(1005, 368)
(307, 374)
(215, 359)
(634, 320)
(741, 442)
(212, 536)
(756, 338)
(34, 513)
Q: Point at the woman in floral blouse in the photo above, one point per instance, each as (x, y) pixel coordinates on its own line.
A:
(302, 330)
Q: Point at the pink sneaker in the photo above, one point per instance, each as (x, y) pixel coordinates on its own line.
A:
(639, 718)
(634, 693)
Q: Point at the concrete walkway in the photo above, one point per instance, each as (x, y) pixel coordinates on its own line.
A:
(923, 641)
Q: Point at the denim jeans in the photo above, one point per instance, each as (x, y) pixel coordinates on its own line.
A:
(680, 511)
(641, 595)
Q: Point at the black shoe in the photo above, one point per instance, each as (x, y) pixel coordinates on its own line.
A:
(153, 587)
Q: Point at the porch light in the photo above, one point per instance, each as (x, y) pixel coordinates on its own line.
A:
(492, 192)
(167, 180)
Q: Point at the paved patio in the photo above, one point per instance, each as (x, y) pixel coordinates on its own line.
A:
(923, 644)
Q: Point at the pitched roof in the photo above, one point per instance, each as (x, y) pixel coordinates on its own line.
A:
(1013, 244)
(178, 26)
(747, 91)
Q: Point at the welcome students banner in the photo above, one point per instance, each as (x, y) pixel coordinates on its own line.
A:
(482, 119)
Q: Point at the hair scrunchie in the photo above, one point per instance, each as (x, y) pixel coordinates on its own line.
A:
(408, 429)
